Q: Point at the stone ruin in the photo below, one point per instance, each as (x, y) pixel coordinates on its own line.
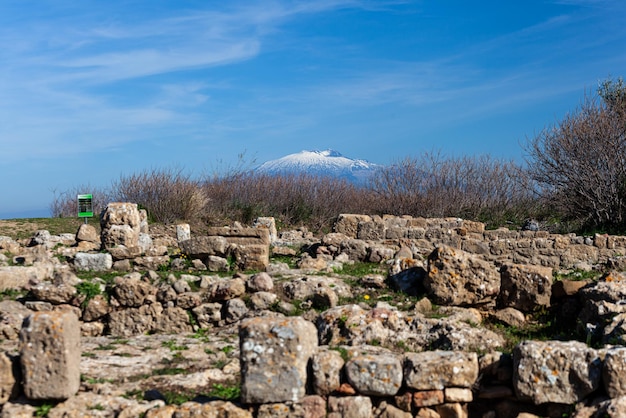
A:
(333, 359)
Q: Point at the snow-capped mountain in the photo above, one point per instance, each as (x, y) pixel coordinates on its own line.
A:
(321, 163)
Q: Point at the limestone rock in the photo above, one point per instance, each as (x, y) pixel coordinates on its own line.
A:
(87, 233)
(132, 292)
(260, 282)
(525, 287)
(8, 382)
(375, 375)
(274, 358)
(262, 300)
(57, 295)
(134, 321)
(173, 320)
(436, 370)
(326, 366)
(614, 372)
(12, 315)
(349, 407)
(50, 352)
(93, 262)
(458, 278)
(225, 289)
(96, 308)
(555, 371)
(17, 277)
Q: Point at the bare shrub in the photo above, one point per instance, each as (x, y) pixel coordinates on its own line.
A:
(65, 203)
(580, 163)
(479, 188)
(167, 194)
(294, 200)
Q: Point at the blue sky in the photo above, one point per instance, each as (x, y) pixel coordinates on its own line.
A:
(90, 90)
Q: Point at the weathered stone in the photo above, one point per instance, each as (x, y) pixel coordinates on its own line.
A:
(349, 407)
(50, 352)
(48, 292)
(510, 317)
(458, 395)
(262, 300)
(458, 278)
(132, 292)
(144, 242)
(269, 223)
(375, 375)
(12, 315)
(17, 277)
(225, 289)
(424, 398)
(151, 262)
(451, 410)
(87, 233)
(183, 232)
(326, 366)
(525, 287)
(208, 314)
(215, 263)
(93, 262)
(134, 321)
(173, 320)
(355, 249)
(120, 213)
(260, 282)
(348, 224)
(436, 370)
(233, 310)
(427, 413)
(9, 387)
(96, 308)
(614, 372)
(274, 358)
(18, 410)
(385, 410)
(409, 280)
(189, 300)
(555, 371)
(202, 247)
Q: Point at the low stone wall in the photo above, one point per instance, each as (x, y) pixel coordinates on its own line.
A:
(500, 245)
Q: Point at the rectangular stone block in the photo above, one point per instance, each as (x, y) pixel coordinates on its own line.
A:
(275, 353)
(50, 355)
(436, 370)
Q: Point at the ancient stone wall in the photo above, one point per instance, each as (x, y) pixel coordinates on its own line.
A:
(498, 246)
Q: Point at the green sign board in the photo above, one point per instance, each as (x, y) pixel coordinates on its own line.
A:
(85, 206)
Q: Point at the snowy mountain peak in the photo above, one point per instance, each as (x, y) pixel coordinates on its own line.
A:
(320, 163)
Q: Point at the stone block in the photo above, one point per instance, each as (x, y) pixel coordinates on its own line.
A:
(555, 371)
(525, 287)
(8, 381)
(436, 370)
(371, 375)
(326, 366)
(614, 372)
(457, 278)
(50, 355)
(348, 224)
(275, 354)
(349, 407)
(93, 262)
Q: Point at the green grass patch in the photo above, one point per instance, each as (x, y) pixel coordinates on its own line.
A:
(576, 275)
(174, 346)
(226, 392)
(360, 269)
